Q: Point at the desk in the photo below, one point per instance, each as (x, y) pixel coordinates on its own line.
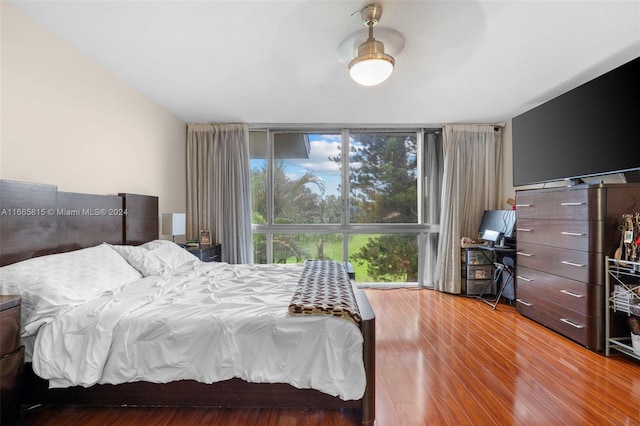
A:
(503, 264)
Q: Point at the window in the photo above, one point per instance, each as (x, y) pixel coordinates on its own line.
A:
(379, 215)
(383, 175)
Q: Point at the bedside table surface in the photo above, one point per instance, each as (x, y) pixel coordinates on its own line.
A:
(9, 301)
(204, 247)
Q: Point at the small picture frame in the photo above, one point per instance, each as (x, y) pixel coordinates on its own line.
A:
(205, 237)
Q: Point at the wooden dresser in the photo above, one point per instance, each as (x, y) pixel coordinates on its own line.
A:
(563, 236)
(11, 357)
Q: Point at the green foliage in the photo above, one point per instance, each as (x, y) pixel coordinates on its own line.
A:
(285, 247)
(259, 240)
(294, 200)
(259, 193)
(383, 178)
(389, 258)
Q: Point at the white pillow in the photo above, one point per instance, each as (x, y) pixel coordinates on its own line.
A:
(50, 285)
(155, 257)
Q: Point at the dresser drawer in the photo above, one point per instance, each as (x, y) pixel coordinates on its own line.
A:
(572, 234)
(478, 287)
(576, 204)
(574, 264)
(583, 329)
(9, 330)
(210, 253)
(475, 256)
(575, 295)
(480, 272)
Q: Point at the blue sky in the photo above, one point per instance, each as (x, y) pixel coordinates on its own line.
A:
(322, 147)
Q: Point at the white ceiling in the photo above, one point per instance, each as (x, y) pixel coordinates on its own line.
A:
(280, 61)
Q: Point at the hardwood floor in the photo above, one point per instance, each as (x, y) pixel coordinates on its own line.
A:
(442, 360)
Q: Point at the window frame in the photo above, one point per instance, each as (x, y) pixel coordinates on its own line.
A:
(422, 230)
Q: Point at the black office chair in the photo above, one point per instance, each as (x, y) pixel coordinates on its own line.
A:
(506, 265)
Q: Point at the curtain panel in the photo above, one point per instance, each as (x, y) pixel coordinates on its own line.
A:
(219, 187)
(472, 183)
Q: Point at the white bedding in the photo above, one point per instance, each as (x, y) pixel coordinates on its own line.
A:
(202, 321)
(51, 285)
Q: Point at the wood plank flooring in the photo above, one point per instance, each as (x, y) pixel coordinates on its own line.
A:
(441, 360)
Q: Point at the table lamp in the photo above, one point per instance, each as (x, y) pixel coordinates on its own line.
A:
(174, 224)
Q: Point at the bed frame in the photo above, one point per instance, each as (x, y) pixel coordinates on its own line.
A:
(38, 219)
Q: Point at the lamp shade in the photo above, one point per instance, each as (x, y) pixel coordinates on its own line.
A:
(174, 224)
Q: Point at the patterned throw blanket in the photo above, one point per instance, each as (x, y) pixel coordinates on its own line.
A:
(325, 288)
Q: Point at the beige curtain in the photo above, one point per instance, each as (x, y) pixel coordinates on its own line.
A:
(219, 187)
(472, 183)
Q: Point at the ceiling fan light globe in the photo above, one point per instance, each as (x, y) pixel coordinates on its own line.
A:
(370, 71)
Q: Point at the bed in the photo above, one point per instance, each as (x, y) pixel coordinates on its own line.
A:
(96, 224)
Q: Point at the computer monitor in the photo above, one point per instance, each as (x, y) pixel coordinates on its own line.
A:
(498, 221)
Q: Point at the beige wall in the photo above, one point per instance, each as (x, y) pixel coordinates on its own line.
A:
(68, 121)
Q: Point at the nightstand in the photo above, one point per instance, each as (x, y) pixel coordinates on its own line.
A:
(207, 253)
(11, 357)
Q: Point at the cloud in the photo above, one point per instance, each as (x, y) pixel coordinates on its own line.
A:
(321, 150)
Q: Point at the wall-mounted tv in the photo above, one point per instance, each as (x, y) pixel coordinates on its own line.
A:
(592, 130)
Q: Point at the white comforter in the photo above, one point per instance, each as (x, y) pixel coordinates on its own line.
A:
(207, 322)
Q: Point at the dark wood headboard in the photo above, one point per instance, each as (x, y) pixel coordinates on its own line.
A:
(37, 219)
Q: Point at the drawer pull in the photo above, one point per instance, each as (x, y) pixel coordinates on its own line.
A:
(572, 204)
(573, 234)
(524, 303)
(524, 205)
(524, 229)
(579, 296)
(520, 277)
(572, 324)
(520, 253)
(577, 265)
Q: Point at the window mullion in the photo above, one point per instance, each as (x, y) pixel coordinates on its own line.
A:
(420, 177)
(346, 185)
(345, 147)
(270, 194)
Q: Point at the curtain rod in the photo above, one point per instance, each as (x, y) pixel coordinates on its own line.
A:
(404, 126)
(501, 125)
(259, 126)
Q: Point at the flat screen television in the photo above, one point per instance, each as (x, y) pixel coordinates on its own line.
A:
(592, 130)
